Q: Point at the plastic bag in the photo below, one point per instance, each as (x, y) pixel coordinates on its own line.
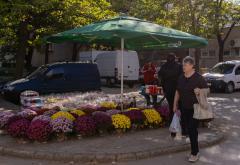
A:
(175, 126)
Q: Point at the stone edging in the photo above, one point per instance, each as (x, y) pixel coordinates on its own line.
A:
(105, 157)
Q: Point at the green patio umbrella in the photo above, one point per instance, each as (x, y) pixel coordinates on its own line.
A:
(131, 33)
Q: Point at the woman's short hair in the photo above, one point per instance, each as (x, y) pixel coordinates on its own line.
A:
(189, 60)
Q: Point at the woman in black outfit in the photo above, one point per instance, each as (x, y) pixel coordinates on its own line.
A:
(188, 87)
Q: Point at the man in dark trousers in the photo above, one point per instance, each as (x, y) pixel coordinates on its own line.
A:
(168, 75)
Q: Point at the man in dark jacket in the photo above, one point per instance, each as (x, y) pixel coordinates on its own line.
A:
(168, 75)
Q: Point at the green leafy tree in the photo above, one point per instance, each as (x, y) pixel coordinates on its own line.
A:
(27, 22)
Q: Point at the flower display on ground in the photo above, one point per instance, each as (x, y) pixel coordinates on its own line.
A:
(62, 125)
(108, 105)
(130, 109)
(50, 112)
(66, 115)
(42, 117)
(120, 121)
(164, 111)
(85, 125)
(88, 109)
(152, 117)
(42, 111)
(77, 112)
(39, 130)
(28, 114)
(113, 112)
(103, 120)
(18, 128)
(136, 116)
(4, 118)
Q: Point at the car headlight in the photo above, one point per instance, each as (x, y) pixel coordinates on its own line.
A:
(219, 78)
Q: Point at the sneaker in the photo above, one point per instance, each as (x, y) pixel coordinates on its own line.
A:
(193, 158)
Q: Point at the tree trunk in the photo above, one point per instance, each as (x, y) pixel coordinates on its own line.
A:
(220, 53)
(21, 49)
(75, 51)
(197, 58)
(29, 57)
(46, 53)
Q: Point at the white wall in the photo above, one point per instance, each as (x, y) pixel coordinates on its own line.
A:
(61, 52)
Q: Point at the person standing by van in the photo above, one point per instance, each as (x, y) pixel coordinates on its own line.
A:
(188, 86)
(149, 77)
(168, 75)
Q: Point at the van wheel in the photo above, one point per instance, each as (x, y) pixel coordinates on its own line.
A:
(109, 82)
(229, 88)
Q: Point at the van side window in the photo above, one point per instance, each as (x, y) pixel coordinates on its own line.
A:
(237, 71)
(55, 73)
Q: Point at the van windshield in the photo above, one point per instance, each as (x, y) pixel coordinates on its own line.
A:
(223, 68)
(40, 71)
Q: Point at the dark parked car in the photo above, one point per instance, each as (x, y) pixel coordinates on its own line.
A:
(56, 78)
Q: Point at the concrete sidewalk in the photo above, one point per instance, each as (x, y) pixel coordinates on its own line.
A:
(109, 148)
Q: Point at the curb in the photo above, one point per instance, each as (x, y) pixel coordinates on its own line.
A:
(106, 157)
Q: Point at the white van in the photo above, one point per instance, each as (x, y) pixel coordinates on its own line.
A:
(224, 75)
(109, 65)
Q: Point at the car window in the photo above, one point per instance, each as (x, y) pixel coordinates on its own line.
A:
(223, 68)
(237, 71)
(55, 73)
(37, 72)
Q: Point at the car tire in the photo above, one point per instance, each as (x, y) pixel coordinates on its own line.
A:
(229, 87)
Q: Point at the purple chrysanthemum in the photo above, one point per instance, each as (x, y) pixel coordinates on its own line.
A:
(4, 118)
(39, 130)
(103, 120)
(62, 125)
(27, 114)
(18, 128)
(85, 125)
(136, 116)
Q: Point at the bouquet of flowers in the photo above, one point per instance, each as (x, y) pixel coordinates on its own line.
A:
(39, 130)
(4, 118)
(152, 117)
(66, 115)
(62, 125)
(18, 128)
(103, 120)
(120, 121)
(85, 125)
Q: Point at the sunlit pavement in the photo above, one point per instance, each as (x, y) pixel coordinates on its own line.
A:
(227, 108)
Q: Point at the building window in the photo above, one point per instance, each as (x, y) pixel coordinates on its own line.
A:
(235, 52)
(212, 53)
(226, 53)
(204, 53)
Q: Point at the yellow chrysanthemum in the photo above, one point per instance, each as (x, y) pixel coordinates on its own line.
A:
(133, 109)
(62, 114)
(152, 116)
(120, 121)
(77, 112)
(110, 105)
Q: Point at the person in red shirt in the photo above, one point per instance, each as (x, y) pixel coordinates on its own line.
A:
(149, 76)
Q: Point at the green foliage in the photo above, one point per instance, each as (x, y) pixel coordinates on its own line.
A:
(44, 17)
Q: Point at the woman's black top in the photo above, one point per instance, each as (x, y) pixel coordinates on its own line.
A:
(186, 87)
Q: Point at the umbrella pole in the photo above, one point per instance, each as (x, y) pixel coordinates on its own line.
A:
(122, 49)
